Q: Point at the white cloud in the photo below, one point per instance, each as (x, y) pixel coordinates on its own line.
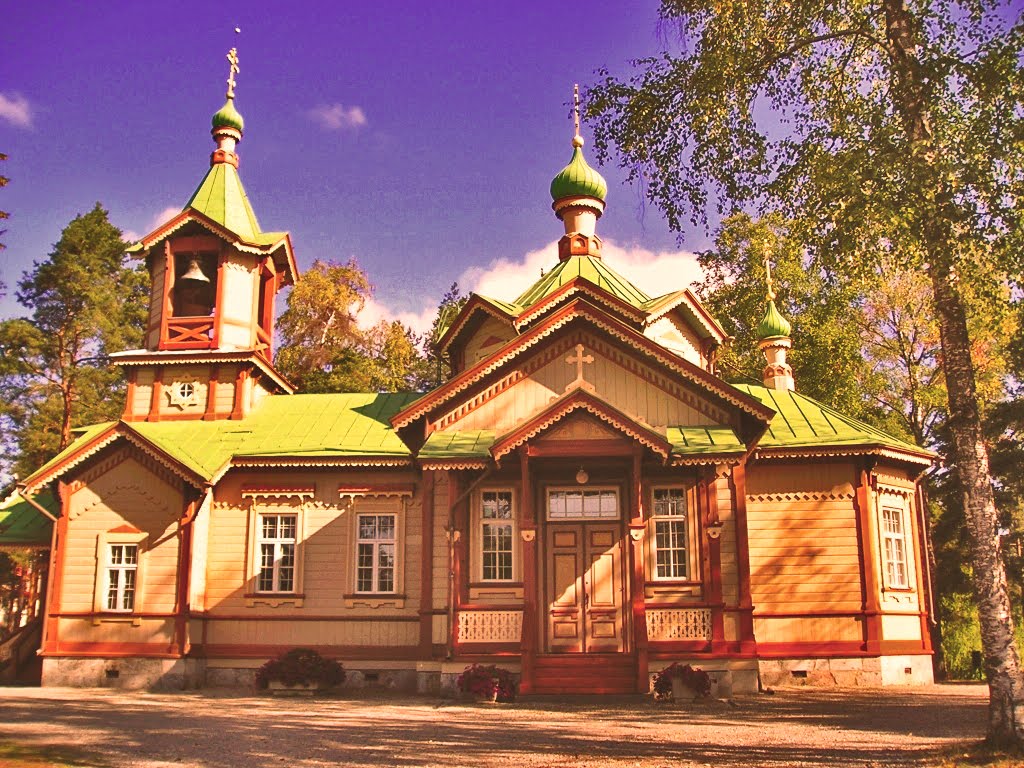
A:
(655, 273)
(335, 117)
(15, 109)
(164, 216)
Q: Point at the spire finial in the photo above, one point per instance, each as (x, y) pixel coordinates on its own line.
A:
(577, 140)
(233, 61)
(768, 274)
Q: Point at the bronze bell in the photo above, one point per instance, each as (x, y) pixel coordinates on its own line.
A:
(195, 272)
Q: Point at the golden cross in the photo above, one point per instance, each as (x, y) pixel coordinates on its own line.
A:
(768, 275)
(576, 107)
(233, 61)
(579, 360)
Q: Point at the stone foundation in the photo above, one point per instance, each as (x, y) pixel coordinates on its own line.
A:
(847, 672)
(129, 674)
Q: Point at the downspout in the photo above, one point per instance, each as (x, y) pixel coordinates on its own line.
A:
(36, 505)
(450, 530)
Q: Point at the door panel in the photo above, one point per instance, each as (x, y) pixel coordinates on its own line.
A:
(584, 588)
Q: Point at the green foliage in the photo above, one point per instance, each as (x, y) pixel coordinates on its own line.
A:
(961, 636)
(447, 310)
(86, 301)
(300, 666)
(325, 350)
(3, 215)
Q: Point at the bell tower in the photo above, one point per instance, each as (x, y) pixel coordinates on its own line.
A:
(214, 279)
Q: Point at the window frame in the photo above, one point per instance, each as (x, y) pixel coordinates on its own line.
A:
(104, 542)
(275, 502)
(615, 489)
(479, 524)
(277, 541)
(886, 536)
(689, 521)
(376, 543)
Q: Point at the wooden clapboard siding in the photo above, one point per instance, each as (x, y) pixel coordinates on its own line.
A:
(612, 382)
(442, 491)
(804, 552)
(142, 393)
(809, 629)
(128, 494)
(491, 334)
(730, 571)
(115, 630)
(318, 632)
(676, 336)
(907, 627)
(224, 394)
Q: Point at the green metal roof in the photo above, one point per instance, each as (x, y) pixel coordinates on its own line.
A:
(22, 525)
(712, 439)
(468, 444)
(578, 179)
(589, 268)
(801, 421)
(774, 324)
(287, 426)
(221, 197)
(228, 117)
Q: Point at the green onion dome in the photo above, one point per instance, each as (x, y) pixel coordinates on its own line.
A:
(774, 324)
(578, 179)
(228, 117)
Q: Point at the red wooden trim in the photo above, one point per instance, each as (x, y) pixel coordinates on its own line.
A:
(211, 394)
(759, 614)
(528, 522)
(687, 646)
(638, 572)
(603, 447)
(427, 565)
(237, 411)
(487, 649)
(708, 509)
(406, 489)
(252, 651)
(583, 286)
(129, 398)
(869, 560)
(738, 483)
(157, 396)
(838, 648)
(113, 650)
(269, 294)
(181, 601)
(51, 624)
(218, 302)
(303, 617)
(162, 615)
(165, 313)
(925, 570)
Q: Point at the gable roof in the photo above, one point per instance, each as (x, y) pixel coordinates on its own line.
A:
(579, 308)
(590, 268)
(802, 424)
(284, 429)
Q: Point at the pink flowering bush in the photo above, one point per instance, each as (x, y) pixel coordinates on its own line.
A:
(300, 666)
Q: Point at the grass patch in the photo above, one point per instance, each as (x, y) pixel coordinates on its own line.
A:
(26, 756)
(975, 754)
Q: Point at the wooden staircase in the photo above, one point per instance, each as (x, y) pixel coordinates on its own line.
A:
(584, 673)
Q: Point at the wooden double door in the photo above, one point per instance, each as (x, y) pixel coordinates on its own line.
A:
(583, 587)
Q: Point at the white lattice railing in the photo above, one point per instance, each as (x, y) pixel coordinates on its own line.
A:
(490, 626)
(678, 624)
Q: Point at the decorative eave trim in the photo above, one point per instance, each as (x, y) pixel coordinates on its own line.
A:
(575, 400)
(578, 285)
(242, 462)
(679, 460)
(835, 450)
(101, 441)
(688, 298)
(158, 454)
(147, 357)
(445, 464)
(474, 304)
(191, 214)
(578, 308)
(399, 490)
(278, 492)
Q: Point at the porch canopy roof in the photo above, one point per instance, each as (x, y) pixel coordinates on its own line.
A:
(24, 527)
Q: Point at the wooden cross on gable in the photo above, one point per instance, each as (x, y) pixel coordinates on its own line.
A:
(579, 360)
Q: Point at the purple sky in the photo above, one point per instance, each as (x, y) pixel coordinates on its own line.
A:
(419, 138)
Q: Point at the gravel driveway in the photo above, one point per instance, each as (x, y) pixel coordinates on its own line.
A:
(796, 727)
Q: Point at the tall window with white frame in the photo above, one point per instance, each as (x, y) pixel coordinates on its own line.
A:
(122, 573)
(496, 536)
(895, 544)
(670, 526)
(375, 554)
(277, 553)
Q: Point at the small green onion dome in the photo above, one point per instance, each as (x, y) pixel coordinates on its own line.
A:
(228, 117)
(774, 324)
(578, 179)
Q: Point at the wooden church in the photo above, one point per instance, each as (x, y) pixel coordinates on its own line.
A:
(584, 502)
